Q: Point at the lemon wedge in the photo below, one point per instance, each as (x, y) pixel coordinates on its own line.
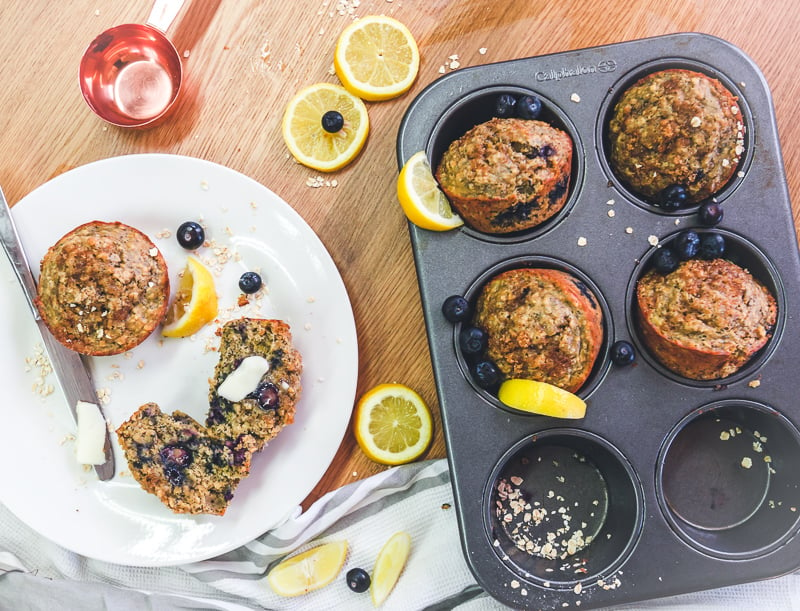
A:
(421, 198)
(393, 424)
(311, 570)
(376, 58)
(195, 302)
(541, 398)
(388, 566)
(310, 140)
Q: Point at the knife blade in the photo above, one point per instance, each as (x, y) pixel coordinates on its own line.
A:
(71, 371)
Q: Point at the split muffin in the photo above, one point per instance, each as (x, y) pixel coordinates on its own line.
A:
(507, 175)
(542, 324)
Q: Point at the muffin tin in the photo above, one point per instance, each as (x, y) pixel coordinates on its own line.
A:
(668, 485)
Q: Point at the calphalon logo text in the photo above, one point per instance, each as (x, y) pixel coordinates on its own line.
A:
(607, 65)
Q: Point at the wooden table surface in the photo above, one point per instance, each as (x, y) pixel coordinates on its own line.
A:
(243, 60)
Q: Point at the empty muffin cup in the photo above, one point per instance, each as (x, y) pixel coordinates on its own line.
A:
(592, 324)
(564, 506)
(726, 480)
(672, 170)
(486, 104)
(724, 360)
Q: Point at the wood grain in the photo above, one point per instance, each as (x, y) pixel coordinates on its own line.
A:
(244, 59)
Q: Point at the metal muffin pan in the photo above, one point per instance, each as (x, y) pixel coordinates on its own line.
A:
(649, 494)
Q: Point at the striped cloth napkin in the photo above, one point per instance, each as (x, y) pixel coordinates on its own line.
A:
(37, 575)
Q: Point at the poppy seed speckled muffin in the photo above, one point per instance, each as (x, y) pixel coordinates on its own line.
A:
(507, 175)
(676, 128)
(103, 288)
(542, 324)
(706, 319)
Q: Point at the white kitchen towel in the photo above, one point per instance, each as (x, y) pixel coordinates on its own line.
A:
(37, 575)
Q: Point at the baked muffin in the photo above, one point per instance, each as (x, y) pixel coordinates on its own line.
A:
(676, 128)
(252, 421)
(174, 457)
(194, 468)
(542, 324)
(507, 175)
(103, 288)
(706, 319)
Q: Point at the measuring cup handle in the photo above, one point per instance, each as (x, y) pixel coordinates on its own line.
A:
(163, 13)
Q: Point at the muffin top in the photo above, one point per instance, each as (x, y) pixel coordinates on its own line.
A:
(676, 128)
(709, 305)
(103, 288)
(542, 324)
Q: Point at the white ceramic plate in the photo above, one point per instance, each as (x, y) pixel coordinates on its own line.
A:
(252, 229)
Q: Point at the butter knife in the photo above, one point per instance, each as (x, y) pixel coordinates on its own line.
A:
(72, 373)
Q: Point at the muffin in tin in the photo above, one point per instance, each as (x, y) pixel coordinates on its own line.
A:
(103, 288)
(542, 324)
(706, 319)
(676, 136)
(507, 174)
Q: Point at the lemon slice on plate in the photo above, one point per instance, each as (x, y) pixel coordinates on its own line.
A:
(541, 398)
(388, 566)
(325, 126)
(422, 200)
(393, 424)
(311, 570)
(376, 58)
(195, 302)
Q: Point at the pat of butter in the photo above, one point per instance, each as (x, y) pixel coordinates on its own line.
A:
(91, 434)
(244, 379)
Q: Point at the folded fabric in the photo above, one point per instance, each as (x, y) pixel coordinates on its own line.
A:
(36, 574)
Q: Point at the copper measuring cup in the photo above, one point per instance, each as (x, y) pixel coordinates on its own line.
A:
(131, 74)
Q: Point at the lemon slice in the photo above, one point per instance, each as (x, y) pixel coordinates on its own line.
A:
(376, 58)
(541, 398)
(308, 571)
(421, 198)
(195, 302)
(393, 424)
(313, 145)
(388, 566)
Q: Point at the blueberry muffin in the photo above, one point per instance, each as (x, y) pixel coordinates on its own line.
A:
(175, 458)
(542, 324)
(507, 175)
(706, 319)
(103, 288)
(194, 468)
(255, 419)
(676, 132)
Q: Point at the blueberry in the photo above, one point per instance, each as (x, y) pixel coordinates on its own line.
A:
(332, 121)
(529, 107)
(712, 246)
(267, 395)
(486, 374)
(673, 197)
(622, 353)
(174, 475)
(665, 260)
(710, 214)
(472, 341)
(455, 308)
(249, 282)
(504, 106)
(191, 235)
(686, 244)
(358, 580)
(176, 456)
